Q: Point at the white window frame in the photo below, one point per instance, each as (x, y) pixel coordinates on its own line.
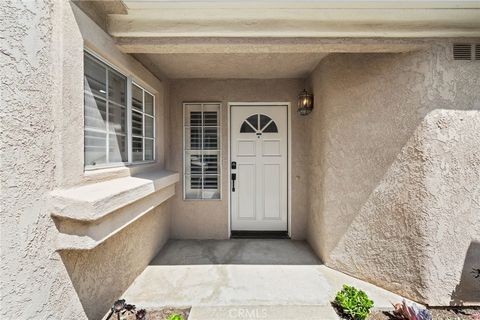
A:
(219, 150)
(130, 81)
(144, 114)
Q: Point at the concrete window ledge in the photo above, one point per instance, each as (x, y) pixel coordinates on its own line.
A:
(88, 215)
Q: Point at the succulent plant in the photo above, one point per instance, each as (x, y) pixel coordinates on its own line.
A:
(413, 312)
(129, 307)
(141, 314)
(120, 308)
(118, 305)
(353, 303)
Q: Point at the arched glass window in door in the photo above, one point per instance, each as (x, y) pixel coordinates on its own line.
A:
(259, 123)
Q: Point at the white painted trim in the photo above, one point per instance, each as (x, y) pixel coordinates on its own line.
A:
(289, 158)
(296, 22)
(134, 5)
(129, 123)
(183, 152)
(229, 172)
(289, 174)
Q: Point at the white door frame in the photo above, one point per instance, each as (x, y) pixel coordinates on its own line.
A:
(289, 158)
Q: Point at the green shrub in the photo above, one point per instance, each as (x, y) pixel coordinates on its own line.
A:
(353, 303)
(175, 317)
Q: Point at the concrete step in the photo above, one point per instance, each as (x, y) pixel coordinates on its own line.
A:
(252, 312)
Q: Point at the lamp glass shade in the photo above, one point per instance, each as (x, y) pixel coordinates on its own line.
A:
(305, 102)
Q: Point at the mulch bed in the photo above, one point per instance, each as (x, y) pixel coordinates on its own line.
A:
(163, 314)
(454, 313)
(160, 314)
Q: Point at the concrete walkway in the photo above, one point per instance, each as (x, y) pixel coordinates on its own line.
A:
(245, 279)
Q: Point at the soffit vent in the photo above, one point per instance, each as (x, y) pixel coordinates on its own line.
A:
(466, 51)
(462, 51)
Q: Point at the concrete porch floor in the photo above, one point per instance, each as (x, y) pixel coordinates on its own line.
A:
(245, 279)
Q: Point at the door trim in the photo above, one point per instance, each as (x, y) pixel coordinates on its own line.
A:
(289, 158)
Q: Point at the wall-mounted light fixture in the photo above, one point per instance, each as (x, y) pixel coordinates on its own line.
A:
(305, 103)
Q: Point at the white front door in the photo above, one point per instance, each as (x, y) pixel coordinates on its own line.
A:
(259, 168)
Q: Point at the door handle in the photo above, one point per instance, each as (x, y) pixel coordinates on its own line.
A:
(234, 177)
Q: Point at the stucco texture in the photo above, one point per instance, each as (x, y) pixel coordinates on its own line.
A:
(394, 171)
(208, 219)
(34, 282)
(101, 275)
(41, 150)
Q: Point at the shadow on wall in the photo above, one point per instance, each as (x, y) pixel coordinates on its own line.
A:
(382, 237)
(368, 109)
(468, 290)
(370, 106)
(100, 276)
(391, 152)
(403, 238)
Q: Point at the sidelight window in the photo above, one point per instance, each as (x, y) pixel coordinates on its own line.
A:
(202, 150)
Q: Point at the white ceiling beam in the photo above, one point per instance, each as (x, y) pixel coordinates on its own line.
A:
(309, 4)
(264, 45)
(350, 23)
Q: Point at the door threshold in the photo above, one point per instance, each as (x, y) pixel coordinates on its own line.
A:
(259, 235)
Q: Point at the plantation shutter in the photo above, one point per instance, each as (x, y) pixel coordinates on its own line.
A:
(202, 151)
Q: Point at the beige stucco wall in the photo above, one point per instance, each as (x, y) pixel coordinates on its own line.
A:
(394, 171)
(389, 159)
(102, 275)
(209, 219)
(41, 150)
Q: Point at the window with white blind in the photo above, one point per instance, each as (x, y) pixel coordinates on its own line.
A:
(202, 150)
(143, 124)
(119, 117)
(105, 114)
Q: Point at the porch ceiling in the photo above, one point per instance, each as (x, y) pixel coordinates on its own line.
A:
(231, 65)
(259, 58)
(275, 39)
